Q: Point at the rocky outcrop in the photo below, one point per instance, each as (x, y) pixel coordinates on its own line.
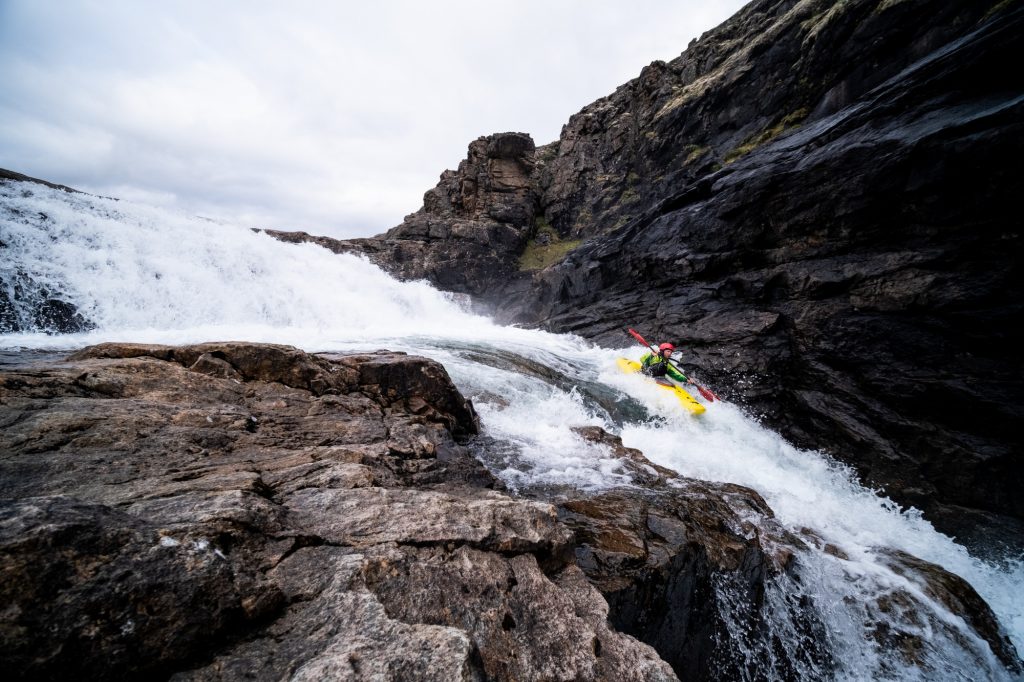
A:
(705, 574)
(45, 313)
(472, 227)
(815, 200)
(20, 177)
(232, 510)
(859, 272)
(661, 553)
(228, 510)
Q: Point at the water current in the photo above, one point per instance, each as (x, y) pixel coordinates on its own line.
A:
(149, 275)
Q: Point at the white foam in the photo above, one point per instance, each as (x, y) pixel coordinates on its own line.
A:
(148, 275)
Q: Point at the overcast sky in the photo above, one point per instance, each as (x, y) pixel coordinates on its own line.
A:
(329, 117)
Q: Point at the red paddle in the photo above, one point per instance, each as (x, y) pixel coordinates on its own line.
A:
(708, 395)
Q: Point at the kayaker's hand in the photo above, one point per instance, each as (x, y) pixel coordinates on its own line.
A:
(690, 381)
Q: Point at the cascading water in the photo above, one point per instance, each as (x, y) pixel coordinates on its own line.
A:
(142, 274)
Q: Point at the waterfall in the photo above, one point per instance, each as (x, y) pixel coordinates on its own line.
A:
(136, 273)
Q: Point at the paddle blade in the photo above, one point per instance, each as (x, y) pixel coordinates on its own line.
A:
(708, 395)
(636, 335)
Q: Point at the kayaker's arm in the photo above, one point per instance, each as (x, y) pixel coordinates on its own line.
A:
(708, 395)
(677, 375)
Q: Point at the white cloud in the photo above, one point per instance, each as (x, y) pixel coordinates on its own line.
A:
(328, 117)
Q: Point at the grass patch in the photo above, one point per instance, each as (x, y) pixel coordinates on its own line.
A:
(547, 153)
(885, 5)
(998, 7)
(621, 222)
(788, 122)
(537, 256)
(583, 218)
(695, 152)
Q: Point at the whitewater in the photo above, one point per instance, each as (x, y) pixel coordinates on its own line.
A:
(144, 274)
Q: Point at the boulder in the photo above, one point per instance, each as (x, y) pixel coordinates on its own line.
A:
(237, 510)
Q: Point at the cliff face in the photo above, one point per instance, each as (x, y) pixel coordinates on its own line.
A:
(772, 67)
(472, 226)
(862, 272)
(816, 201)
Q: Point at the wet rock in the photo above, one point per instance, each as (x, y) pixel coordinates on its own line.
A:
(661, 556)
(695, 569)
(472, 227)
(813, 200)
(232, 510)
(34, 309)
(952, 591)
(91, 589)
(990, 536)
(640, 468)
(59, 317)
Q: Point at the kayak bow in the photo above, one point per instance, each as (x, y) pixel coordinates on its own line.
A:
(685, 399)
(705, 392)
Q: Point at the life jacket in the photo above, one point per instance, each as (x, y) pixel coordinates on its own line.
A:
(654, 365)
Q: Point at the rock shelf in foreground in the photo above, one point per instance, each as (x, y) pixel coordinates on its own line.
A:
(234, 510)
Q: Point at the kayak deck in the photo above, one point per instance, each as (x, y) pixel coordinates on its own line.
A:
(685, 399)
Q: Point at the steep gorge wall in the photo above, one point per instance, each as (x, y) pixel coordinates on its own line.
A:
(816, 201)
(862, 273)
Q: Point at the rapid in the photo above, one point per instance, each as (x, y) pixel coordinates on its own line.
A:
(144, 274)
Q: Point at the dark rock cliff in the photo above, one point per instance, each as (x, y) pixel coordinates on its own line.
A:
(862, 273)
(473, 224)
(817, 200)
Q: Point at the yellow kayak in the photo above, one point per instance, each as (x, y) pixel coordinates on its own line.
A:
(685, 399)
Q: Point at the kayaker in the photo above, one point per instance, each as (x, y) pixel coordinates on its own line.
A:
(657, 364)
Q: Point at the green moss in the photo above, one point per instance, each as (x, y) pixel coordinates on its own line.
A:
(585, 216)
(886, 4)
(548, 152)
(537, 256)
(621, 222)
(788, 122)
(819, 20)
(694, 152)
(633, 178)
(998, 7)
